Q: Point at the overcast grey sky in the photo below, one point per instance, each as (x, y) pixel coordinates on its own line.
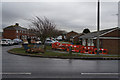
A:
(66, 15)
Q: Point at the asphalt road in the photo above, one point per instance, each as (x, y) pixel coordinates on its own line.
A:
(15, 66)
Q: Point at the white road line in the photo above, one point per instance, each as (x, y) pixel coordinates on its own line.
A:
(100, 73)
(16, 73)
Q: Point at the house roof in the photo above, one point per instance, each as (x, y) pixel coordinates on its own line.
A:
(72, 32)
(14, 27)
(94, 34)
(80, 34)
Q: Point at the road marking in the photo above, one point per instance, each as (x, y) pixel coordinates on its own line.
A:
(100, 73)
(16, 73)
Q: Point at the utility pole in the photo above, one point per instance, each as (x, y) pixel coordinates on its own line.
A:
(98, 26)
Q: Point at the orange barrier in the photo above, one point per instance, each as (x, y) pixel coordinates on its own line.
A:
(91, 51)
(95, 51)
(101, 51)
(105, 51)
(78, 48)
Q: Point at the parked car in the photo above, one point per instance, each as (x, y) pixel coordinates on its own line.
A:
(55, 40)
(6, 42)
(38, 42)
(17, 41)
(49, 42)
(59, 38)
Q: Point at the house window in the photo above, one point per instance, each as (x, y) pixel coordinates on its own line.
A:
(92, 43)
(89, 42)
(17, 36)
(16, 31)
(84, 42)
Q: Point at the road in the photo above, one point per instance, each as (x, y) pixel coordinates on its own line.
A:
(14, 66)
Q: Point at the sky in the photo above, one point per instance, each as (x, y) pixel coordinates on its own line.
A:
(68, 16)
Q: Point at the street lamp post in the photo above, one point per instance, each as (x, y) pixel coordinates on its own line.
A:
(98, 25)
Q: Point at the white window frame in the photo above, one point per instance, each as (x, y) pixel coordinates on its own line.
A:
(83, 42)
(16, 31)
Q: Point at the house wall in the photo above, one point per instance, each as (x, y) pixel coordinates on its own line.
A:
(111, 45)
(72, 33)
(9, 34)
(0, 35)
(77, 40)
(12, 34)
(115, 33)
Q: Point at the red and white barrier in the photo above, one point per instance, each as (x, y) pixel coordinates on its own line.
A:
(78, 48)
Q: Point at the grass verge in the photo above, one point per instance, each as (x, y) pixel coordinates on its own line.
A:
(58, 54)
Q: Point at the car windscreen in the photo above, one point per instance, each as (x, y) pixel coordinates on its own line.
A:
(4, 40)
(49, 41)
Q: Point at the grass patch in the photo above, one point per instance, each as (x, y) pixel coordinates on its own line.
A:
(66, 42)
(18, 50)
(48, 47)
(57, 54)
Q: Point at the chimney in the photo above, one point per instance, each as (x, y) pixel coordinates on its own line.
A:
(17, 24)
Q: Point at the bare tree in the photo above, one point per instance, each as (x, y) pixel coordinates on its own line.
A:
(57, 33)
(43, 28)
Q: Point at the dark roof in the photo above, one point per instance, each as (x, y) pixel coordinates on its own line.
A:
(14, 27)
(80, 34)
(94, 34)
(72, 32)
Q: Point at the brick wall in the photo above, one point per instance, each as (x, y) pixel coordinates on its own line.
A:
(9, 34)
(114, 33)
(72, 33)
(111, 45)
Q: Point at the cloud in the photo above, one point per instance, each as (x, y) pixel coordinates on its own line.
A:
(66, 15)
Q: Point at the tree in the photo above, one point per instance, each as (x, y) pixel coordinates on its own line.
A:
(43, 28)
(86, 31)
(57, 33)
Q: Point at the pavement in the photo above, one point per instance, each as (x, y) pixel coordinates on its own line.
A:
(16, 66)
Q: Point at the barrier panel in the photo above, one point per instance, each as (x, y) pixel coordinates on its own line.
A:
(105, 51)
(101, 51)
(78, 48)
(91, 51)
(95, 51)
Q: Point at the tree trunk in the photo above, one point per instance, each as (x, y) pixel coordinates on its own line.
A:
(44, 46)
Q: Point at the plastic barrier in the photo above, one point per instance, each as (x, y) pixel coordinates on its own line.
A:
(82, 50)
(78, 48)
(95, 51)
(101, 51)
(105, 51)
(91, 51)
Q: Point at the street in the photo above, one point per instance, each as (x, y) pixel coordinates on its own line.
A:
(16, 66)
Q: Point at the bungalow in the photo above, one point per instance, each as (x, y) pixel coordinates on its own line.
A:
(109, 39)
(70, 35)
(75, 39)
